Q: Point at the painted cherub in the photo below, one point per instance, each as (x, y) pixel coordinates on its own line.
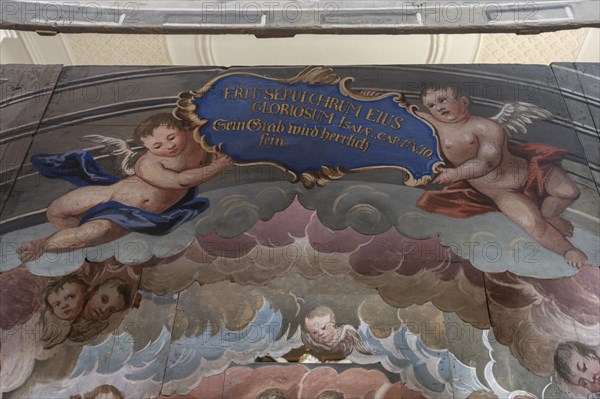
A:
(102, 392)
(578, 365)
(111, 296)
(57, 304)
(71, 299)
(485, 173)
(158, 196)
(330, 394)
(66, 297)
(322, 334)
(271, 393)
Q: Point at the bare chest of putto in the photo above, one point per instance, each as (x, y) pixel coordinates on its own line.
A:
(458, 142)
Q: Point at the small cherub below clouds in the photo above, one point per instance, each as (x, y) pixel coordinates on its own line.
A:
(577, 366)
(322, 334)
(102, 392)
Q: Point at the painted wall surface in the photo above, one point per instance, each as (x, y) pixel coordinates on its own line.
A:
(428, 232)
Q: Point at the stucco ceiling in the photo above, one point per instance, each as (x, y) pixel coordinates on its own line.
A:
(116, 49)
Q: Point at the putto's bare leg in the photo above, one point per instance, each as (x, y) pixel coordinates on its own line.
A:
(525, 213)
(92, 233)
(562, 191)
(66, 212)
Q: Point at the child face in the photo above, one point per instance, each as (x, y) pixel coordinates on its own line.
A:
(107, 395)
(67, 301)
(585, 371)
(321, 329)
(104, 302)
(165, 141)
(445, 107)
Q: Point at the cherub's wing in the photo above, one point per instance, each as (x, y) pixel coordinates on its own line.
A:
(514, 117)
(117, 147)
(362, 347)
(351, 340)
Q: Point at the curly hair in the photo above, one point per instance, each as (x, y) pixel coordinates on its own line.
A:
(563, 355)
(456, 90)
(101, 390)
(120, 285)
(57, 284)
(330, 394)
(271, 393)
(146, 127)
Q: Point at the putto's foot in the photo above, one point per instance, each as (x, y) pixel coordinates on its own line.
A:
(576, 258)
(32, 250)
(563, 226)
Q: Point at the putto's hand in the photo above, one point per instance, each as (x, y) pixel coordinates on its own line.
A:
(225, 161)
(447, 176)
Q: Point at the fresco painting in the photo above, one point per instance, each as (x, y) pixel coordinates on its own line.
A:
(293, 381)
(381, 232)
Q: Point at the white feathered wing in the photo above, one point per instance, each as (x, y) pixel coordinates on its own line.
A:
(514, 117)
(118, 148)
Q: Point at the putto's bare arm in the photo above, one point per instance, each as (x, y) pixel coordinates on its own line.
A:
(152, 171)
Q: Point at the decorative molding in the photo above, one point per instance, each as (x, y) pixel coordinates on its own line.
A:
(179, 49)
(204, 50)
(436, 49)
(33, 47)
(318, 49)
(112, 49)
(7, 34)
(590, 48)
(190, 49)
(12, 48)
(45, 49)
(322, 49)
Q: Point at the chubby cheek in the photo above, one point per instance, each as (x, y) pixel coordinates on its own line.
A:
(178, 141)
(93, 303)
(457, 109)
(161, 152)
